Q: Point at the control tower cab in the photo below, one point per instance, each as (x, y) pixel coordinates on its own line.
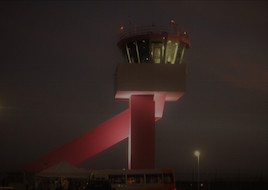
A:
(153, 62)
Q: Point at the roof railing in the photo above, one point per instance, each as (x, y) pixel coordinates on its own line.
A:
(133, 30)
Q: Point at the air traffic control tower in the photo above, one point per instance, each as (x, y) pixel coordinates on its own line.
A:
(152, 74)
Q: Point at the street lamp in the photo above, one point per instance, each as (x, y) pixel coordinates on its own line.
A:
(197, 154)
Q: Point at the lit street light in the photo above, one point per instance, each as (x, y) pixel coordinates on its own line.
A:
(197, 154)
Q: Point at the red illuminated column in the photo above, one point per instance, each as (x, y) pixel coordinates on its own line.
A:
(142, 132)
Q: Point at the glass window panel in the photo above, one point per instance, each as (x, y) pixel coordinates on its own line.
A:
(180, 52)
(132, 52)
(154, 178)
(171, 51)
(144, 50)
(124, 52)
(168, 178)
(156, 52)
(117, 179)
(134, 179)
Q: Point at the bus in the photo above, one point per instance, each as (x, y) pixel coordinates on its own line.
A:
(153, 179)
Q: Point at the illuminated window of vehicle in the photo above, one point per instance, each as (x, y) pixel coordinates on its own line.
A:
(168, 178)
(134, 179)
(154, 178)
(117, 179)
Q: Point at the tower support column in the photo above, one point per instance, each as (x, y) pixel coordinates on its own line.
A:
(142, 132)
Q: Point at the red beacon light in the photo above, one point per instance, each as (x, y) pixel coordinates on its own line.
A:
(121, 30)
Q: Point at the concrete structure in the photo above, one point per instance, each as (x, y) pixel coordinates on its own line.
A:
(153, 73)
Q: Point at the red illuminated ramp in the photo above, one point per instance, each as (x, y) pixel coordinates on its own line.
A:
(98, 139)
(88, 144)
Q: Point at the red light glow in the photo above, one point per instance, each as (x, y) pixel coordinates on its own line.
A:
(88, 144)
(100, 138)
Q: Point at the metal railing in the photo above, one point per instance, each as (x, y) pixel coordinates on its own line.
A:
(133, 30)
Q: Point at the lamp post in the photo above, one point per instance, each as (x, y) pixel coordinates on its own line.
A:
(197, 154)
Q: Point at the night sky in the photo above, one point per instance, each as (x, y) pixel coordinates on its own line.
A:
(57, 66)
